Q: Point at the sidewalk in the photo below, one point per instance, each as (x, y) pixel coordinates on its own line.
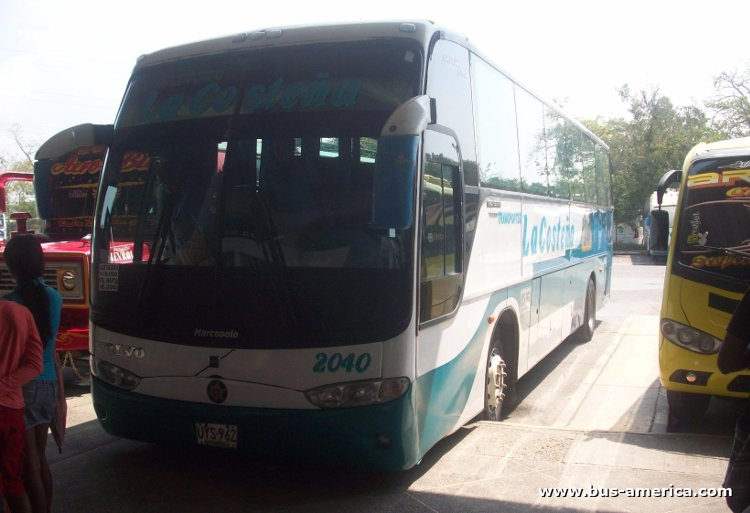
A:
(610, 444)
(508, 476)
(613, 400)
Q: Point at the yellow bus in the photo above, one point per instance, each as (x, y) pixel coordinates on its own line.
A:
(708, 271)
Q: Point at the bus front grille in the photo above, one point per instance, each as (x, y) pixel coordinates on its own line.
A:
(7, 283)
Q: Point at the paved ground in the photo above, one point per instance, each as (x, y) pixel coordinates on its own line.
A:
(600, 446)
(603, 437)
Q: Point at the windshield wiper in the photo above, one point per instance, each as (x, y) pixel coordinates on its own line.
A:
(740, 251)
(274, 255)
(268, 237)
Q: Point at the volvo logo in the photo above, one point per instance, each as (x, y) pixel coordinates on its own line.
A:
(123, 350)
(217, 391)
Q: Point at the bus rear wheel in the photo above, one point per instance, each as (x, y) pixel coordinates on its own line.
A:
(586, 331)
(686, 407)
(495, 384)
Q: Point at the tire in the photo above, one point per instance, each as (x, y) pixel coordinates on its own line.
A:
(586, 331)
(686, 407)
(495, 384)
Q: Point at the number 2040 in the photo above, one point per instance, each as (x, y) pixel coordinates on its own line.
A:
(334, 362)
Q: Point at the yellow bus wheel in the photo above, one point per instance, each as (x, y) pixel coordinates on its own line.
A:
(686, 407)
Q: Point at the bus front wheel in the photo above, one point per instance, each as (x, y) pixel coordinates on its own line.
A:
(495, 384)
(687, 407)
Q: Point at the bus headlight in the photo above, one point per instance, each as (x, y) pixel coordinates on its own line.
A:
(68, 280)
(689, 338)
(114, 375)
(360, 393)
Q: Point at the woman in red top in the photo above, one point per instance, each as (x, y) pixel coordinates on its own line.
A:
(20, 362)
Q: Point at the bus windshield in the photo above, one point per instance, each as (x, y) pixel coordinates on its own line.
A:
(73, 185)
(253, 177)
(715, 216)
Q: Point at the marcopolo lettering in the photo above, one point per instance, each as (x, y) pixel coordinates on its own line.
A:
(547, 237)
(200, 332)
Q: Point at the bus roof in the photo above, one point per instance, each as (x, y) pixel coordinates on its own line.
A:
(726, 148)
(422, 31)
(419, 30)
(67, 140)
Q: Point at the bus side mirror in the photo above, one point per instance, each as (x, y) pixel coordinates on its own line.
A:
(393, 182)
(668, 178)
(659, 235)
(396, 164)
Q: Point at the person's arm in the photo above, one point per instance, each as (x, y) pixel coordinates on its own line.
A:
(734, 355)
(30, 365)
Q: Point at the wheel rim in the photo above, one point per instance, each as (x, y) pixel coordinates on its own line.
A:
(591, 309)
(495, 390)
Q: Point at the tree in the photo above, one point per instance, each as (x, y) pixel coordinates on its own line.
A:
(655, 140)
(20, 194)
(20, 197)
(28, 149)
(731, 104)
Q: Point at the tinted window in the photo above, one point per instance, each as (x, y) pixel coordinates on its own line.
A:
(496, 128)
(448, 83)
(532, 146)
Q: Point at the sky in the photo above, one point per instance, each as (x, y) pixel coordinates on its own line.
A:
(63, 63)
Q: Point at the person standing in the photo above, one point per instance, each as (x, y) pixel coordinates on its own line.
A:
(20, 362)
(25, 260)
(734, 356)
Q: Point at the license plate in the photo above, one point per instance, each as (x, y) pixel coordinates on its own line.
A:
(216, 435)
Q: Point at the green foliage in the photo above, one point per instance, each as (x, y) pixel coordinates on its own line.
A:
(8, 163)
(659, 135)
(20, 198)
(731, 104)
(656, 140)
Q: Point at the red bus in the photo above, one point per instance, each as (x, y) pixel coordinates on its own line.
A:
(66, 177)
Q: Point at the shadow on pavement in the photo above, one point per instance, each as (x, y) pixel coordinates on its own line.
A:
(130, 476)
(644, 259)
(719, 419)
(541, 371)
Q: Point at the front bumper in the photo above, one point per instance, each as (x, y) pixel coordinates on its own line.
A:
(375, 437)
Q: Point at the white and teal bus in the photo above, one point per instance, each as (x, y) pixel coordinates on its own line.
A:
(340, 243)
